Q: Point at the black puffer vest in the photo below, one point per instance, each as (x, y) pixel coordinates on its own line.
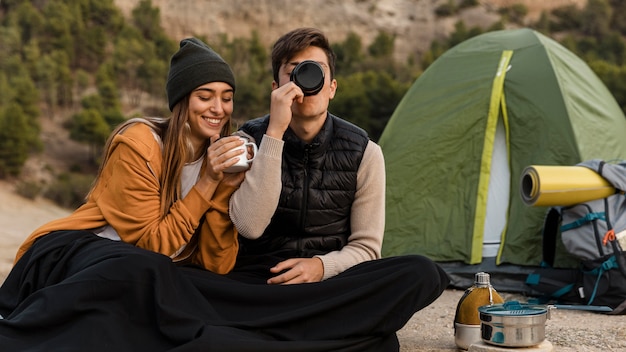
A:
(319, 183)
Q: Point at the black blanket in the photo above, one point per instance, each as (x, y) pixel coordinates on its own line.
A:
(74, 291)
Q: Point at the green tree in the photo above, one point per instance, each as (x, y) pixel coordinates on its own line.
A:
(152, 75)
(618, 21)
(47, 81)
(351, 101)
(514, 13)
(26, 96)
(112, 111)
(11, 65)
(92, 102)
(107, 101)
(247, 57)
(147, 19)
(94, 22)
(612, 48)
(566, 18)
(249, 61)
(89, 126)
(31, 56)
(7, 92)
(103, 14)
(107, 87)
(82, 81)
(52, 74)
(543, 23)
(349, 54)
(8, 5)
(65, 78)
(164, 47)
(368, 99)
(10, 44)
(461, 34)
(382, 46)
(596, 18)
(57, 33)
(446, 9)
(569, 42)
(14, 136)
(437, 49)
(89, 48)
(29, 20)
(468, 3)
(130, 54)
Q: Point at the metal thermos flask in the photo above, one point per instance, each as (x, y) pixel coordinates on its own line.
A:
(467, 319)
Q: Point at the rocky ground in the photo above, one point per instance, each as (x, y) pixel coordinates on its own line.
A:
(430, 330)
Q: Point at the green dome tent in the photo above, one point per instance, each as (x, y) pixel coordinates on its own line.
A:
(458, 141)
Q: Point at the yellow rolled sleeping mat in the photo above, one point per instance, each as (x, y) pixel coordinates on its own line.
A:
(543, 185)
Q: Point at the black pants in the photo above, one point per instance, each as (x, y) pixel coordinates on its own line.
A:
(74, 291)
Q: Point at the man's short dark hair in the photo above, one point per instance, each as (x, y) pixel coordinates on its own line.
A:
(297, 40)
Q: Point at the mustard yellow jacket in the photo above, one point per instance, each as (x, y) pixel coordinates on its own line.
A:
(127, 197)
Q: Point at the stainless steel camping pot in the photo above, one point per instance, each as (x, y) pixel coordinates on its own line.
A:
(513, 324)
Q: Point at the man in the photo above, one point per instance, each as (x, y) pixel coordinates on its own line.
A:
(311, 209)
(351, 212)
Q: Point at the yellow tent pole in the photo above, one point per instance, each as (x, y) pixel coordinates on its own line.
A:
(497, 95)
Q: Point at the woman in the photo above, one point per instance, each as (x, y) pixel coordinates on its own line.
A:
(102, 278)
(162, 180)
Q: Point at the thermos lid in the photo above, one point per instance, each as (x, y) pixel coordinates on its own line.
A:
(481, 279)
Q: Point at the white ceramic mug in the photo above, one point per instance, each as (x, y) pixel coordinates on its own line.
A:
(244, 163)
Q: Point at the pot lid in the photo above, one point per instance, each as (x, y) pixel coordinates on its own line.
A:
(512, 308)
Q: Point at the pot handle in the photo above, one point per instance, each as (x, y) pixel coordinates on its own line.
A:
(604, 309)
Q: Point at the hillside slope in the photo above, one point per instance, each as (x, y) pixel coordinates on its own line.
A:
(412, 21)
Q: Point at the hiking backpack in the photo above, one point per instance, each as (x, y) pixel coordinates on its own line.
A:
(590, 232)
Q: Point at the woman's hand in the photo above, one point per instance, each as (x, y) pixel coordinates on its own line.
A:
(221, 155)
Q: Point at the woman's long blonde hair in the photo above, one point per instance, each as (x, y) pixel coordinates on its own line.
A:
(177, 149)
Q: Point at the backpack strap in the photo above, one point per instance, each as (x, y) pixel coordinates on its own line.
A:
(583, 220)
(534, 279)
(607, 265)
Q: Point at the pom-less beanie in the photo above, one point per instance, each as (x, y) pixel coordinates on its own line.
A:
(193, 65)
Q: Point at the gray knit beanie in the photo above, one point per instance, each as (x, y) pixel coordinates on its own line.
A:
(193, 65)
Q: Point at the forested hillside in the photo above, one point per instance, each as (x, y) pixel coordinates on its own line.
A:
(73, 69)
